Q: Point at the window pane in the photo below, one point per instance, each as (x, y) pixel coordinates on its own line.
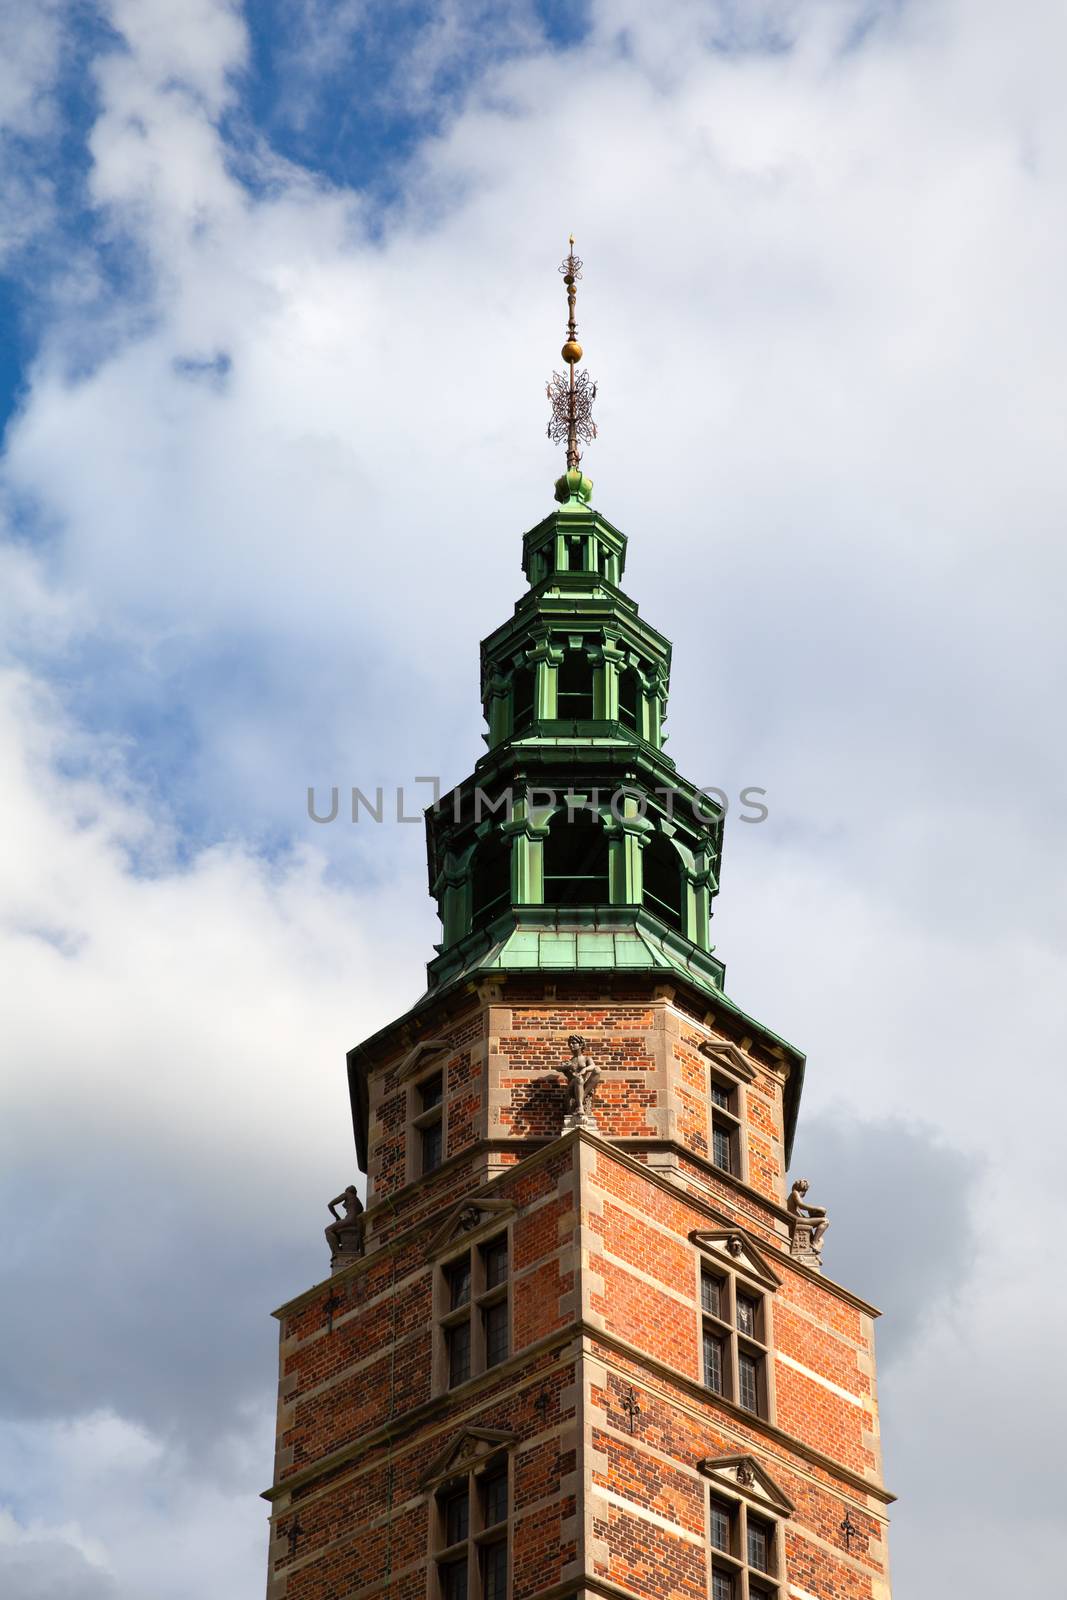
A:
(748, 1382)
(713, 1362)
(722, 1586)
(759, 1545)
(431, 1091)
(431, 1147)
(522, 698)
(495, 1496)
(747, 1309)
(459, 1353)
(720, 1149)
(459, 1284)
(720, 1526)
(629, 688)
(496, 1333)
(457, 1517)
(711, 1294)
(454, 1579)
(495, 1255)
(574, 686)
(495, 1571)
(720, 1097)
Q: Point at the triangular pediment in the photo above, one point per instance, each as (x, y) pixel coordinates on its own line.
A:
(470, 1216)
(420, 1057)
(744, 1475)
(737, 1252)
(729, 1058)
(465, 1452)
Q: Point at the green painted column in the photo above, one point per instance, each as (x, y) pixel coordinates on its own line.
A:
(655, 704)
(627, 833)
(497, 709)
(545, 658)
(608, 661)
(527, 832)
(455, 902)
(699, 887)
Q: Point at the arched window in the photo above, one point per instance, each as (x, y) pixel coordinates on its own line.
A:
(576, 859)
(662, 876)
(490, 877)
(629, 697)
(574, 687)
(522, 699)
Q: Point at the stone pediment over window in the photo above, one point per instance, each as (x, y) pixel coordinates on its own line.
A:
(420, 1057)
(729, 1058)
(469, 1217)
(744, 1475)
(737, 1253)
(465, 1452)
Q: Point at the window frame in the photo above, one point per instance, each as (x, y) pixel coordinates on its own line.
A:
(581, 823)
(480, 1535)
(568, 708)
(522, 711)
(662, 856)
(491, 868)
(482, 1297)
(629, 675)
(728, 1121)
(423, 1118)
(748, 1582)
(723, 1326)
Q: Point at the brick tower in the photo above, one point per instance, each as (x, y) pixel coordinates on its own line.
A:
(580, 1341)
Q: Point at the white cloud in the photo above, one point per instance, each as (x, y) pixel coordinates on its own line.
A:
(192, 44)
(186, 987)
(30, 43)
(31, 39)
(152, 1508)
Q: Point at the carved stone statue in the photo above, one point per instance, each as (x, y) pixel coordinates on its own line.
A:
(807, 1224)
(344, 1235)
(582, 1079)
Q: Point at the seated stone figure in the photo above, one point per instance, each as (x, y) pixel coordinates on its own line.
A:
(807, 1223)
(582, 1079)
(344, 1234)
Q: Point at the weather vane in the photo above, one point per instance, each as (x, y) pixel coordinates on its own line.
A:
(571, 397)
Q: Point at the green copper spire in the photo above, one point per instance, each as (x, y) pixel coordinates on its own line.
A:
(575, 843)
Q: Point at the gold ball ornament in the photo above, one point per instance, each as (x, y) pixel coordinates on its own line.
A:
(571, 352)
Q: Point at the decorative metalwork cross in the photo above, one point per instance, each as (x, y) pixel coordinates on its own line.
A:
(849, 1529)
(332, 1304)
(542, 1403)
(295, 1530)
(571, 397)
(630, 1406)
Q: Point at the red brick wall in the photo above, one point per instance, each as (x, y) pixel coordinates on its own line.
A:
(604, 1295)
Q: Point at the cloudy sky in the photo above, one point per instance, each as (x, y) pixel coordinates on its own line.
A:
(278, 300)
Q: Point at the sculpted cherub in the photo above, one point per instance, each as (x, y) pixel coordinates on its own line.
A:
(582, 1080)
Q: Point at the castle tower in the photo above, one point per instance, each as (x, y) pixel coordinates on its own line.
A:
(580, 1341)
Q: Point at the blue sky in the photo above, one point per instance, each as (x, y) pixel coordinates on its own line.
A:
(279, 298)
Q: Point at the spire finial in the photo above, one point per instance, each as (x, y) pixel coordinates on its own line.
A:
(571, 397)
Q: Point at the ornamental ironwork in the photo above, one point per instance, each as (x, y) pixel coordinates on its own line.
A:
(571, 397)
